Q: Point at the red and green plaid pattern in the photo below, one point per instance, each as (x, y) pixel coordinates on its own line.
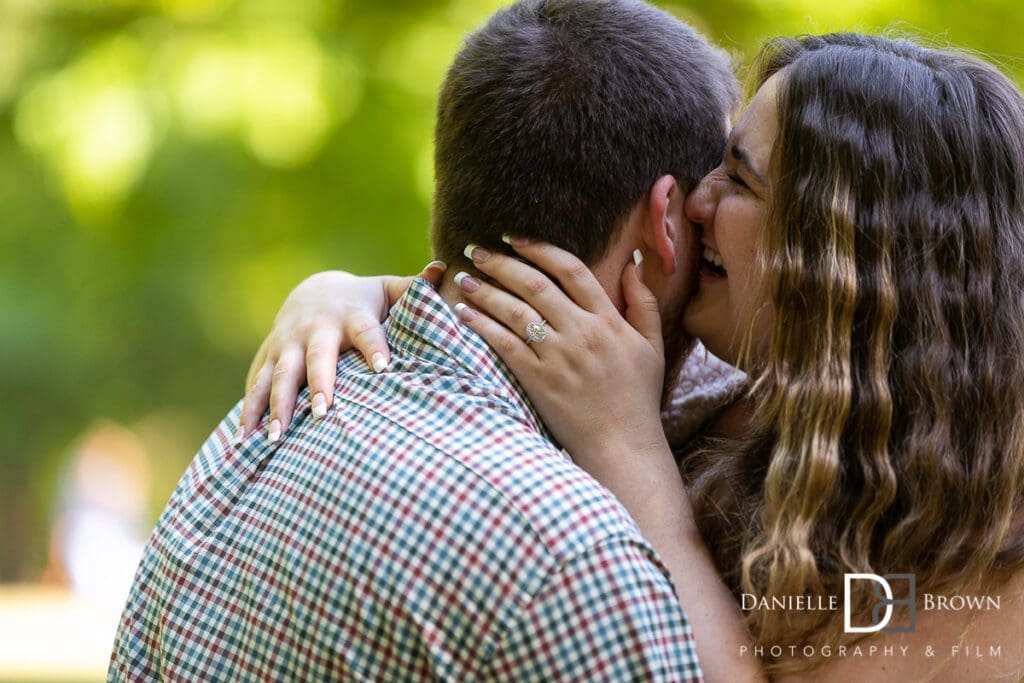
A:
(426, 529)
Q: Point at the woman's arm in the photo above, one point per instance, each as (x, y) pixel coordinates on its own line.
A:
(325, 314)
(648, 484)
(596, 381)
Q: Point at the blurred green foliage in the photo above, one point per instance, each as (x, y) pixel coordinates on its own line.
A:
(169, 169)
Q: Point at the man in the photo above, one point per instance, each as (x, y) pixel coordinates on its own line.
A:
(427, 527)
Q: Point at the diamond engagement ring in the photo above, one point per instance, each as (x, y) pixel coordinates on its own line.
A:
(536, 332)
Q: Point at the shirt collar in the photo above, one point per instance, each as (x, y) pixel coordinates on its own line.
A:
(422, 324)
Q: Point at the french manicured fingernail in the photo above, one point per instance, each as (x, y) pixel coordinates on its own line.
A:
(476, 254)
(467, 282)
(378, 362)
(514, 241)
(439, 265)
(319, 406)
(274, 433)
(465, 313)
(240, 434)
(638, 258)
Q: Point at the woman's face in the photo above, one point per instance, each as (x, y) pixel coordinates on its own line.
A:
(729, 203)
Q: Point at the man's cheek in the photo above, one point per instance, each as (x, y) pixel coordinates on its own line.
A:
(689, 266)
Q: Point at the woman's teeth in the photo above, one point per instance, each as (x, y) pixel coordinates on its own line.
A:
(713, 257)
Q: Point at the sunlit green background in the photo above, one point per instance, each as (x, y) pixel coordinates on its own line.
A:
(169, 169)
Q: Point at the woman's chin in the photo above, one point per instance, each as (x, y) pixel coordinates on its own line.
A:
(700, 327)
(709, 318)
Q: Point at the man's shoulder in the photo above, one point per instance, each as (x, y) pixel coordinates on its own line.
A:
(479, 428)
(471, 527)
(570, 512)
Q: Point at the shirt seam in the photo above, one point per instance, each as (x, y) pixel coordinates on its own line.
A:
(618, 538)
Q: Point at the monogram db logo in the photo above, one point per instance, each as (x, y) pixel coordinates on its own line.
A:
(884, 600)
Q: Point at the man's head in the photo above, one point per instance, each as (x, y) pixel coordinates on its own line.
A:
(582, 123)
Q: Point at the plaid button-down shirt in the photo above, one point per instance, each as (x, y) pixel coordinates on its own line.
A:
(426, 529)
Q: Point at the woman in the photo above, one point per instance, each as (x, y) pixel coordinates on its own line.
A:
(864, 264)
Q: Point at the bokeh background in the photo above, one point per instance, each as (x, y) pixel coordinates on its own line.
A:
(169, 170)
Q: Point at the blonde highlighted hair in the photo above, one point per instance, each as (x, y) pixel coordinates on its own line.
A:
(888, 432)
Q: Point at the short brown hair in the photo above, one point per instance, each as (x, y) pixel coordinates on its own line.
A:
(557, 116)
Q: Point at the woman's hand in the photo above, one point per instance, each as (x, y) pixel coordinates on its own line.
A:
(597, 377)
(325, 314)
(596, 381)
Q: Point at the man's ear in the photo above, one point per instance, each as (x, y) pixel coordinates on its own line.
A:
(664, 227)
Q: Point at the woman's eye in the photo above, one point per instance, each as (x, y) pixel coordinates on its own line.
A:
(738, 180)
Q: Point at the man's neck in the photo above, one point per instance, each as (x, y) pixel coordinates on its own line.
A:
(608, 274)
(607, 271)
(451, 292)
(489, 369)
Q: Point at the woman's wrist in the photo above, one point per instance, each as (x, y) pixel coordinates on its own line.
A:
(639, 468)
(640, 450)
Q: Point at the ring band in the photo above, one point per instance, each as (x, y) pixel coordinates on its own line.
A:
(536, 332)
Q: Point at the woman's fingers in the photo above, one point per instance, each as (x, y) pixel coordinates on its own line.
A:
(321, 368)
(527, 282)
(509, 310)
(574, 275)
(516, 353)
(253, 403)
(642, 310)
(287, 378)
(257, 363)
(257, 398)
(433, 272)
(363, 331)
(394, 286)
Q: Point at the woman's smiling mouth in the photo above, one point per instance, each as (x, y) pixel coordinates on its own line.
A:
(711, 263)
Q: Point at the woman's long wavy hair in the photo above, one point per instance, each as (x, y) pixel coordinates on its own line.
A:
(888, 433)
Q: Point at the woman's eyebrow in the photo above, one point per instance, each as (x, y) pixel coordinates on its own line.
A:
(741, 156)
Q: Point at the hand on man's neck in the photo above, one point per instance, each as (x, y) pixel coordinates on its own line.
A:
(608, 273)
(451, 292)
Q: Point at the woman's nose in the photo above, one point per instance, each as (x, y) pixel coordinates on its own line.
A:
(700, 203)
